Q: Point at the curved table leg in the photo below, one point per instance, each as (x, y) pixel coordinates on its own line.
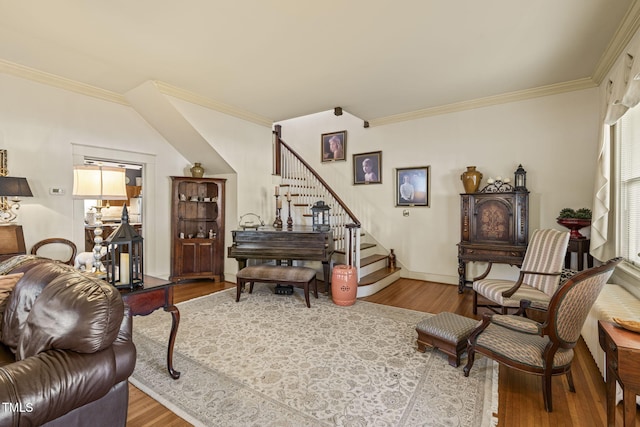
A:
(175, 321)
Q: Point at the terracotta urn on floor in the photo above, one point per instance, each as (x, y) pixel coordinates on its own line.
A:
(471, 179)
(344, 285)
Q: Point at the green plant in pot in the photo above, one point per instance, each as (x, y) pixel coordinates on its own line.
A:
(575, 220)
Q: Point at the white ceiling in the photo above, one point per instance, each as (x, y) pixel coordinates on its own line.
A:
(279, 59)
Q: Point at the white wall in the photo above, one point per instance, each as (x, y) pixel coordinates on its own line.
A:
(554, 137)
(39, 125)
(246, 147)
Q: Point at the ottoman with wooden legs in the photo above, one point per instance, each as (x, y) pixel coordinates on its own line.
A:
(447, 332)
(283, 275)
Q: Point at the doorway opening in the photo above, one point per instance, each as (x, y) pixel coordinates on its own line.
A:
(111, 210)
(141, 165)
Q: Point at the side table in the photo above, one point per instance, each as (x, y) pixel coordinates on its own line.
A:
(156, 293)
(581, 247)
(622, 348)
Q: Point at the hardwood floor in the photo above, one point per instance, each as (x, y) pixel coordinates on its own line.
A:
(520, 394)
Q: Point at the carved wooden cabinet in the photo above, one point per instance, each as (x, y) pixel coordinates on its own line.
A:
(197, 228)
(494, 229)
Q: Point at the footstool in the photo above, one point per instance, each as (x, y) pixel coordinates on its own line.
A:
(447, 332)
(279, 274)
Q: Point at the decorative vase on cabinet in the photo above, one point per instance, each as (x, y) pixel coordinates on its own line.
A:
(197, 171)
(197, 228)
(471, 179)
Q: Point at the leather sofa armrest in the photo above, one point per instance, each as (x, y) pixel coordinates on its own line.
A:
(124, 349)
(46, 386)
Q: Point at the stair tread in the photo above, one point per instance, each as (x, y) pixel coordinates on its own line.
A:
(363, 246)
(371, 259)
(377, 276)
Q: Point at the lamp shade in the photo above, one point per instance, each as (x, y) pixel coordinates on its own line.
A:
(99, 183)
(11, 186)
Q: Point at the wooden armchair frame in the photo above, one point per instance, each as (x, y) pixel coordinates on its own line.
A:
(57, 240)
(501, 336)
(546, 252)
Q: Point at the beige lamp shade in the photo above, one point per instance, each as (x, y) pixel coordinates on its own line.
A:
(99, 183)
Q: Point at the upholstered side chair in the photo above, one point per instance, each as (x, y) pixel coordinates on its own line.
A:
(544, 349)
(539, 275)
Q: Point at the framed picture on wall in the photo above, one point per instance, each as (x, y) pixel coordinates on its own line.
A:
(367, 168)
(333, 146)
(412, 186)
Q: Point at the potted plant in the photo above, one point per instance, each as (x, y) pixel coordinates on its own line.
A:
(574, 220)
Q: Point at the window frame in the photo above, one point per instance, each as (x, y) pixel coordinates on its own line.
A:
(632, 266)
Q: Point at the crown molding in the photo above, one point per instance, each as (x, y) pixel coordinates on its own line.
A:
(60, 82)
(194, 98)
(504, 98)
(95, 92)
(625, 32)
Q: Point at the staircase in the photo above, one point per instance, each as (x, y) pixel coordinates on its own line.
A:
(353, 246)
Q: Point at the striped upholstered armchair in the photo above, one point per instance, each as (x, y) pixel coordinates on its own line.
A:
(544, 349)
(538, 280)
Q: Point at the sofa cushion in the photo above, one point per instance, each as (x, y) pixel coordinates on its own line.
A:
(7, 284)
(11, 265)
(21, 300)
(74, 312)
(616, 301)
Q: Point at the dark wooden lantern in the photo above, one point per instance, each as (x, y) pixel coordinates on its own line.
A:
(321, 220)
(125, 255)
(520, 181)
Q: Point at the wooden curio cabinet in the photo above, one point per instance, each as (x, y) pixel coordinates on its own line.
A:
(197, 228)
(494, 229)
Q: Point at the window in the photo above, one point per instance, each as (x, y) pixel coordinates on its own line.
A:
(627, 184)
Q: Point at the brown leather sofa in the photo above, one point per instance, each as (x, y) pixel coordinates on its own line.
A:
(65, 348)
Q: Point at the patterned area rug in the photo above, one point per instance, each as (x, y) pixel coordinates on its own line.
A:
(268, 360)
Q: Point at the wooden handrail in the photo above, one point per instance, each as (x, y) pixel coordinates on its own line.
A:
(310, 169)
(277, 158)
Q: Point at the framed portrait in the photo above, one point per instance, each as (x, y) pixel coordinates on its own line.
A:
(367, 168)
(412, 186)
(333, 146)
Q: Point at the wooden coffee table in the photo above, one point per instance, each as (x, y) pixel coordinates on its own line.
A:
(156, 293)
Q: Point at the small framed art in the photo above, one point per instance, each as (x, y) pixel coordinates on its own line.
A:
(367, 168)
(412, 186)
(333, 146)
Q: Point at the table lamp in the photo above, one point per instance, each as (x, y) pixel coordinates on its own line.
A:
(95, 182)
(11, 186)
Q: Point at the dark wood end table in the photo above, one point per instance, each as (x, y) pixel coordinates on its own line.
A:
(154, 294)
(622, 348)
(581, 248)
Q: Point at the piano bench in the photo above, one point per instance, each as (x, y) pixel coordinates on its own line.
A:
(284, 275)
